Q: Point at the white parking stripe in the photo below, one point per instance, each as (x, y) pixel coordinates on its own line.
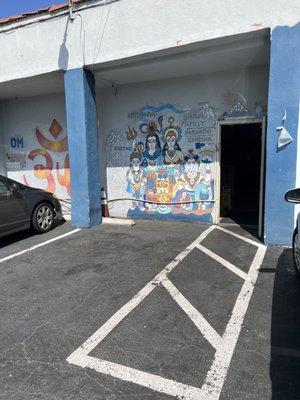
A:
(225, 345)
(37, 246)
(216, 376)
(250, 241)
(224, 262)
(105, 329)
(204, 327)
(151, 381)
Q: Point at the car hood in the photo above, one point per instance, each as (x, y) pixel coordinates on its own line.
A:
(37, 190)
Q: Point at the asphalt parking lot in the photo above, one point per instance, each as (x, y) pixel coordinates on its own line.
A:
(156, 311)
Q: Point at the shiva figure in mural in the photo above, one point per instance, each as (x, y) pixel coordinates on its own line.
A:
(136, 178)
(153, 152)
(152, 160)
(193, 185)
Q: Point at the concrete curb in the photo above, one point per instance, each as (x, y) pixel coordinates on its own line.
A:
(118, 221)
(108, 220)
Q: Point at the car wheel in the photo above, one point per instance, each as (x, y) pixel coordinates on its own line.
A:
(296, 250)
(43, 218)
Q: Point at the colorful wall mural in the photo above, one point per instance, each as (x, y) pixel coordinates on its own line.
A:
(51, 170)
(40, 159)
(161, 142)
(170, 156)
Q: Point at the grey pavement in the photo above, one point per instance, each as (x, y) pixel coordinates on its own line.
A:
(54, 298)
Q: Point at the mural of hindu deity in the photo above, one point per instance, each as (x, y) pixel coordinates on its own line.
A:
(194, 184)
(136, 178)
(164, 181)
(172, 151)
(153, 152)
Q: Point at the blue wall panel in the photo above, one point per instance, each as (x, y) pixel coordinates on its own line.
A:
(83, 147)
(284, 94)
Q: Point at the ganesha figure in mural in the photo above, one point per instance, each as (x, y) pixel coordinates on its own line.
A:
(193, 187)
(136, 178)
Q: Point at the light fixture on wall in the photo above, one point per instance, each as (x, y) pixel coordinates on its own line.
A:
(284, 137)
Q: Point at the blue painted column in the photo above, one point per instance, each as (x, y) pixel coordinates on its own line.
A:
(83, 147)
(284, 94)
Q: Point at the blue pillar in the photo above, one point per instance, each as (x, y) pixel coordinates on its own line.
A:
(284, 94)
(83, 147)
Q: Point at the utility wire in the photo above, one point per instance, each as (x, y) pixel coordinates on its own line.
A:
(96, 53)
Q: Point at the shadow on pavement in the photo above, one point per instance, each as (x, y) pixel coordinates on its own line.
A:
(19, 236)
(285, 333)
(15, 237)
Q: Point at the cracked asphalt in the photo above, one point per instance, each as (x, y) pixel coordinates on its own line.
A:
(54, 298)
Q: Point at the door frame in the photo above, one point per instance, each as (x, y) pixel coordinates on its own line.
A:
(241, 121)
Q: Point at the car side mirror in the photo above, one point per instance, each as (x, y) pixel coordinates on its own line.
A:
(293, 196)
(14, 188)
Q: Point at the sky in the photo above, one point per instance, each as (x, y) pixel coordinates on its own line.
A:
(15, 7)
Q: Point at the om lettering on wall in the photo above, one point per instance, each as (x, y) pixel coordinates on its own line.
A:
(51, 166)
(170, 166)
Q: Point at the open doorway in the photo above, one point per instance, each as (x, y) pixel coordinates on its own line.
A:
(241, 173)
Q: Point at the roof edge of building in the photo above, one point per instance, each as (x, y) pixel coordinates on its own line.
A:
(39, 12)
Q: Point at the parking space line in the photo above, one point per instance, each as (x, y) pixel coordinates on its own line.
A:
(250, 241)
(19, 253)
(224, 346)
(224, 262)
(78, 355)
(146, 379)
(200, 322)
(216, 376)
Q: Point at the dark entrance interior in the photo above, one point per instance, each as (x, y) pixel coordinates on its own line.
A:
(240, 173)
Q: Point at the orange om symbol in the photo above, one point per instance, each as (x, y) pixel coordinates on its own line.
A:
(64, 179)
(46, 171)
(41, 171)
